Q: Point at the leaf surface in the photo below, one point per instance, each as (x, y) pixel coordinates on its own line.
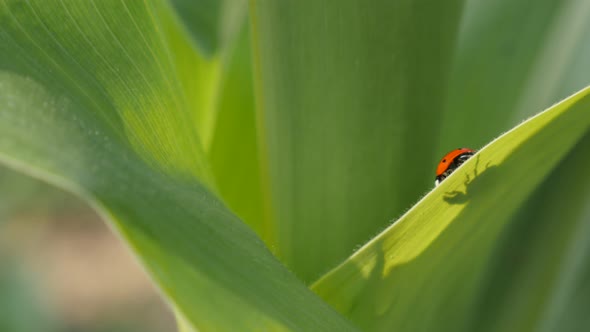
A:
(90, 101)
(349, 96)
(511, 60)
(431, 269)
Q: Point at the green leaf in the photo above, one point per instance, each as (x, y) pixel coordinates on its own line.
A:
(90, 102)
(203, 73)
(512, 60)
(537, 279)
(431, 268)
(220, 93)
(346, 94)
(233, 152)
(198, 74)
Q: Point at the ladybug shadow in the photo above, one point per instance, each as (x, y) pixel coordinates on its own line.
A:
(384, 290)
(475, 182)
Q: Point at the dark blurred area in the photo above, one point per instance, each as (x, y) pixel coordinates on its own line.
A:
(63, 270)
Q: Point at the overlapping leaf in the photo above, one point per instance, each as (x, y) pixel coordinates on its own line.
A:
(90, 102)
(103, 98)
(512, 59)
(430, 270)
(350, 98)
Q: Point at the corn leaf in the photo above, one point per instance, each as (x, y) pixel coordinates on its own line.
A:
(349, 95)
(512, 59)
(434, 268)
(90, 101)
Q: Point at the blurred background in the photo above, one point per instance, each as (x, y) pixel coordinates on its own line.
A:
(63, 270)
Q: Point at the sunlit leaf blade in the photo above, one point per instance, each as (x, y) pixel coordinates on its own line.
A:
(511, 60)
(203, 74)
(233, 152)
(90, 102)
(219, 91)
(199, 75)
(538, 278)
(427, 271)
(347, 94)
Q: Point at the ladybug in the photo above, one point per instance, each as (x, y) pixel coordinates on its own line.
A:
(450, 162)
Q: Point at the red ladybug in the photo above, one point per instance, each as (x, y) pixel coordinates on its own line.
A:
(450, 162)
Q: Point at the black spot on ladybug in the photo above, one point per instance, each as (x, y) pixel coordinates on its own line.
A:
(444, 160)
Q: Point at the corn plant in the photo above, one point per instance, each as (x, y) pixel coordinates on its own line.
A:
(271, 163)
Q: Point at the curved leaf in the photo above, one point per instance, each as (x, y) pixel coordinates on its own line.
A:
(511, 60)
(347, 93)
(537, 278)
(426, 271)
(233, 152)
(89, 101)
(220, 93)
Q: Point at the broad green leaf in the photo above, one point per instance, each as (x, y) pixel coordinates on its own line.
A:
(429, 270)
(203, 73)
(349, 95)
(90, 102)
(219, 90)
(234, 148)
(538, 277)
(198, 74)
(512, 59)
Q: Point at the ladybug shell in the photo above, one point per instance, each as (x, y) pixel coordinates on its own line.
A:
(452, 161)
